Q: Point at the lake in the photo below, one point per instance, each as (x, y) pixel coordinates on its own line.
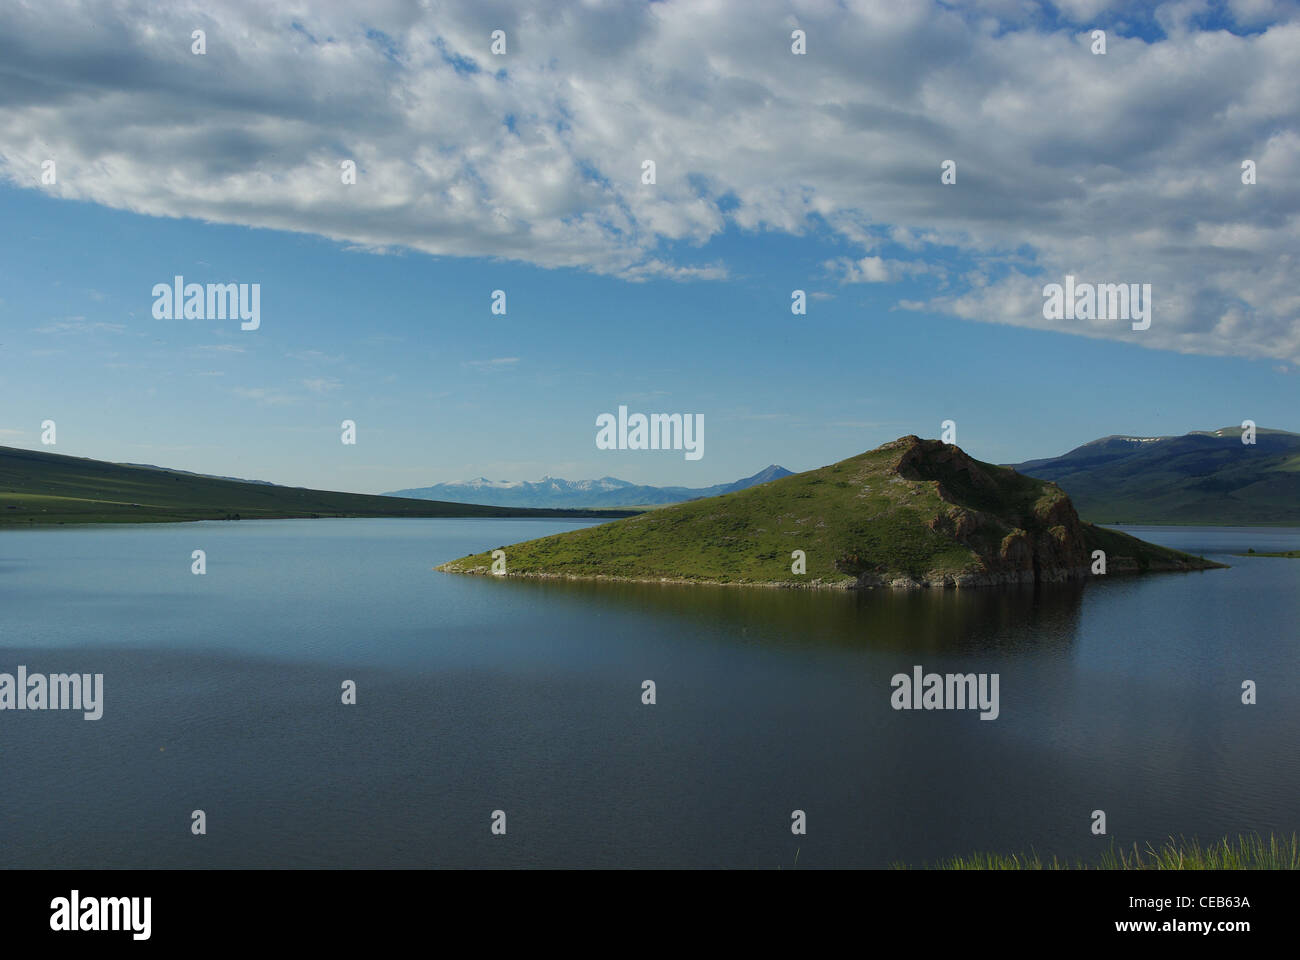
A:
(222, 693)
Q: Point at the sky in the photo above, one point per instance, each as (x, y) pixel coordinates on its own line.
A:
(523, 172)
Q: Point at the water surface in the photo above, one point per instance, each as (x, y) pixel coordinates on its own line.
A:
(477, 694)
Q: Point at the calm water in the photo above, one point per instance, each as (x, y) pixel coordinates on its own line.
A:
(222, 693)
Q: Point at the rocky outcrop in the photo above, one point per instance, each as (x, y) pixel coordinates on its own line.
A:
(1019, 530)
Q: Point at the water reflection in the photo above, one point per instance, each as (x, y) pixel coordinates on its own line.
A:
(1003, 619)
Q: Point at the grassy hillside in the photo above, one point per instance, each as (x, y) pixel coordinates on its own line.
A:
(910, 512)
(41, 488)
(1203, 477)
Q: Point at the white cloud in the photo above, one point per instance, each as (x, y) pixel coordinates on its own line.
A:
(1252, 13)
(873, 269)
(1123, 167)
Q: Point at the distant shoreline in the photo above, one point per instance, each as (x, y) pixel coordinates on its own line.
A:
(31, 523)
(47, 524)
(1195, 523)
(39, 489)
(533, 513)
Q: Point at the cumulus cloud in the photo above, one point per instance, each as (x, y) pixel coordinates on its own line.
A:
(873, 269)
(1116, 168)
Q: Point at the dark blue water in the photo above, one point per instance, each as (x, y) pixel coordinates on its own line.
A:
(222, 693)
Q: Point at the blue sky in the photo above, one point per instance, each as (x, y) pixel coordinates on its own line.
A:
(403, 345)
(673, 298)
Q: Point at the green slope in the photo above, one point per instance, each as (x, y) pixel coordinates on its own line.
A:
(1201, 478)
(910, 512)
(42, 488)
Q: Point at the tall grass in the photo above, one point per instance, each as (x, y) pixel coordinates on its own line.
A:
(1245, 852)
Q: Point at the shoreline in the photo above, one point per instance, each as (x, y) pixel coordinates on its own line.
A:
(949, 582)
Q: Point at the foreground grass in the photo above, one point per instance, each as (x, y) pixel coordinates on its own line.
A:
(1245, 852)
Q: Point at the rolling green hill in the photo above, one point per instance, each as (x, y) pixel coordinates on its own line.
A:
(43, 488)
(909, 513)
(1207, 477)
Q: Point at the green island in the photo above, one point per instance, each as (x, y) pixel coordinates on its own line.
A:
(910, 513)
(1293, 554)
(46, 488)
(1245, 852)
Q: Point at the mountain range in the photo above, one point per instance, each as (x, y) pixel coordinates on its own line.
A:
(554, 492)
(1200, 477)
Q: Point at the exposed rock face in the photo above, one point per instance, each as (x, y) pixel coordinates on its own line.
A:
(1020, 531)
